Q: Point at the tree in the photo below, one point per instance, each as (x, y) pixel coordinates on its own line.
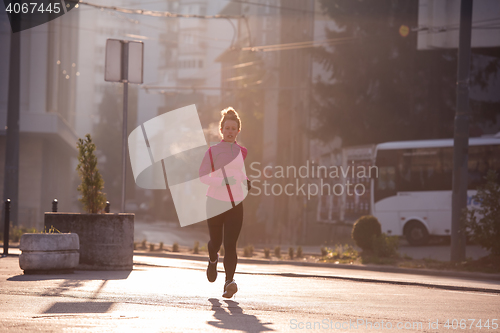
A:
(93, 199)
(381, 88)
(370, 81)
(485, 69)
(484, 221)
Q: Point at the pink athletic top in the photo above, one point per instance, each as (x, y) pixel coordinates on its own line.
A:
(224, 155)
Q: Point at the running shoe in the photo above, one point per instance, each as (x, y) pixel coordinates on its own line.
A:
(212, 269)
(230, 288)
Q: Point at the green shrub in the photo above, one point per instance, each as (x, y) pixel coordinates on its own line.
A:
(385, 246)
(161, 246)
(348, 252)
(151, 247)
(267, 253)
(299, 252)
(16, 232)
(196, 247)
(486, 228)
(51, 230)
(290, 252)
(341, 251)
(143, 244)
(324, 251)
(277, 252)
(363, 231)
(175, 247)
(93, 199)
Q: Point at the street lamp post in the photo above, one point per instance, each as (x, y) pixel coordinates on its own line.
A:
(461, 136)
(11, 175)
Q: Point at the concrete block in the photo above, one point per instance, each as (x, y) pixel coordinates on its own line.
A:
(49, 252)
(49, 242)
(106, 240)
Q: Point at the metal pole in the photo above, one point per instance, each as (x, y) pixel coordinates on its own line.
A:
(11, 175)
(6, 228)
(461, 143)
(125, 113)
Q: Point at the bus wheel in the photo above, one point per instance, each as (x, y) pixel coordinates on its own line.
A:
(416, 233)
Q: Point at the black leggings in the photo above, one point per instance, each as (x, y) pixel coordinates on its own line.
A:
(228, 224)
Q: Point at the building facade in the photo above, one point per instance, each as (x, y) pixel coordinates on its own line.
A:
(47, 148)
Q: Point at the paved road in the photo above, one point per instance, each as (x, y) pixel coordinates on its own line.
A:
(172, 295)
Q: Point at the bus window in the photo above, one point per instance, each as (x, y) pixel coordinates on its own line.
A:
(442, 173)
(424, 169)
(387, 179)
(385, 183)
(481, 159)
(408, 170)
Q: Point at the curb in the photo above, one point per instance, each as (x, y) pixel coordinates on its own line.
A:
(376, 268)
(401, 283)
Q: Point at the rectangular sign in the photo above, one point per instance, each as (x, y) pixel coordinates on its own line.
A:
(116, 51)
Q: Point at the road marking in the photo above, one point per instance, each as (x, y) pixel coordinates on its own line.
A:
(471, 292)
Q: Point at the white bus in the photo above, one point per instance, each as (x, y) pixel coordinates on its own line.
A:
(411, 196)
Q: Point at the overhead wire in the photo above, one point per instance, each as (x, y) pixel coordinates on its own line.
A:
(298, 45)
(169, 14)
(155, 13)
(267, 48)
(118, 15)
(234, 32)
(237, 66)
(275, 6)
(475, 25)
(264, 48)
(163, 89)
(116, 11)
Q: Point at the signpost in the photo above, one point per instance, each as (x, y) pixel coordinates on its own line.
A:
(124, 63)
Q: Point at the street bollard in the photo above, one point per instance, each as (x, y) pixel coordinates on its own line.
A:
(54, 206)
(107, 207)
(6, 228)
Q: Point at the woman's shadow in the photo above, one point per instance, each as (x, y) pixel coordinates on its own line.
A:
(234, 318)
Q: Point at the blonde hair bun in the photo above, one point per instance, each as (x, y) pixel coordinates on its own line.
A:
(229, 111)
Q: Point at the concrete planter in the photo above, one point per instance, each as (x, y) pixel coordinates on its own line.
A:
(46, 253)
(106, 240)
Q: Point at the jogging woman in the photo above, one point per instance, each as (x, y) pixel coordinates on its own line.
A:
(222, 171)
